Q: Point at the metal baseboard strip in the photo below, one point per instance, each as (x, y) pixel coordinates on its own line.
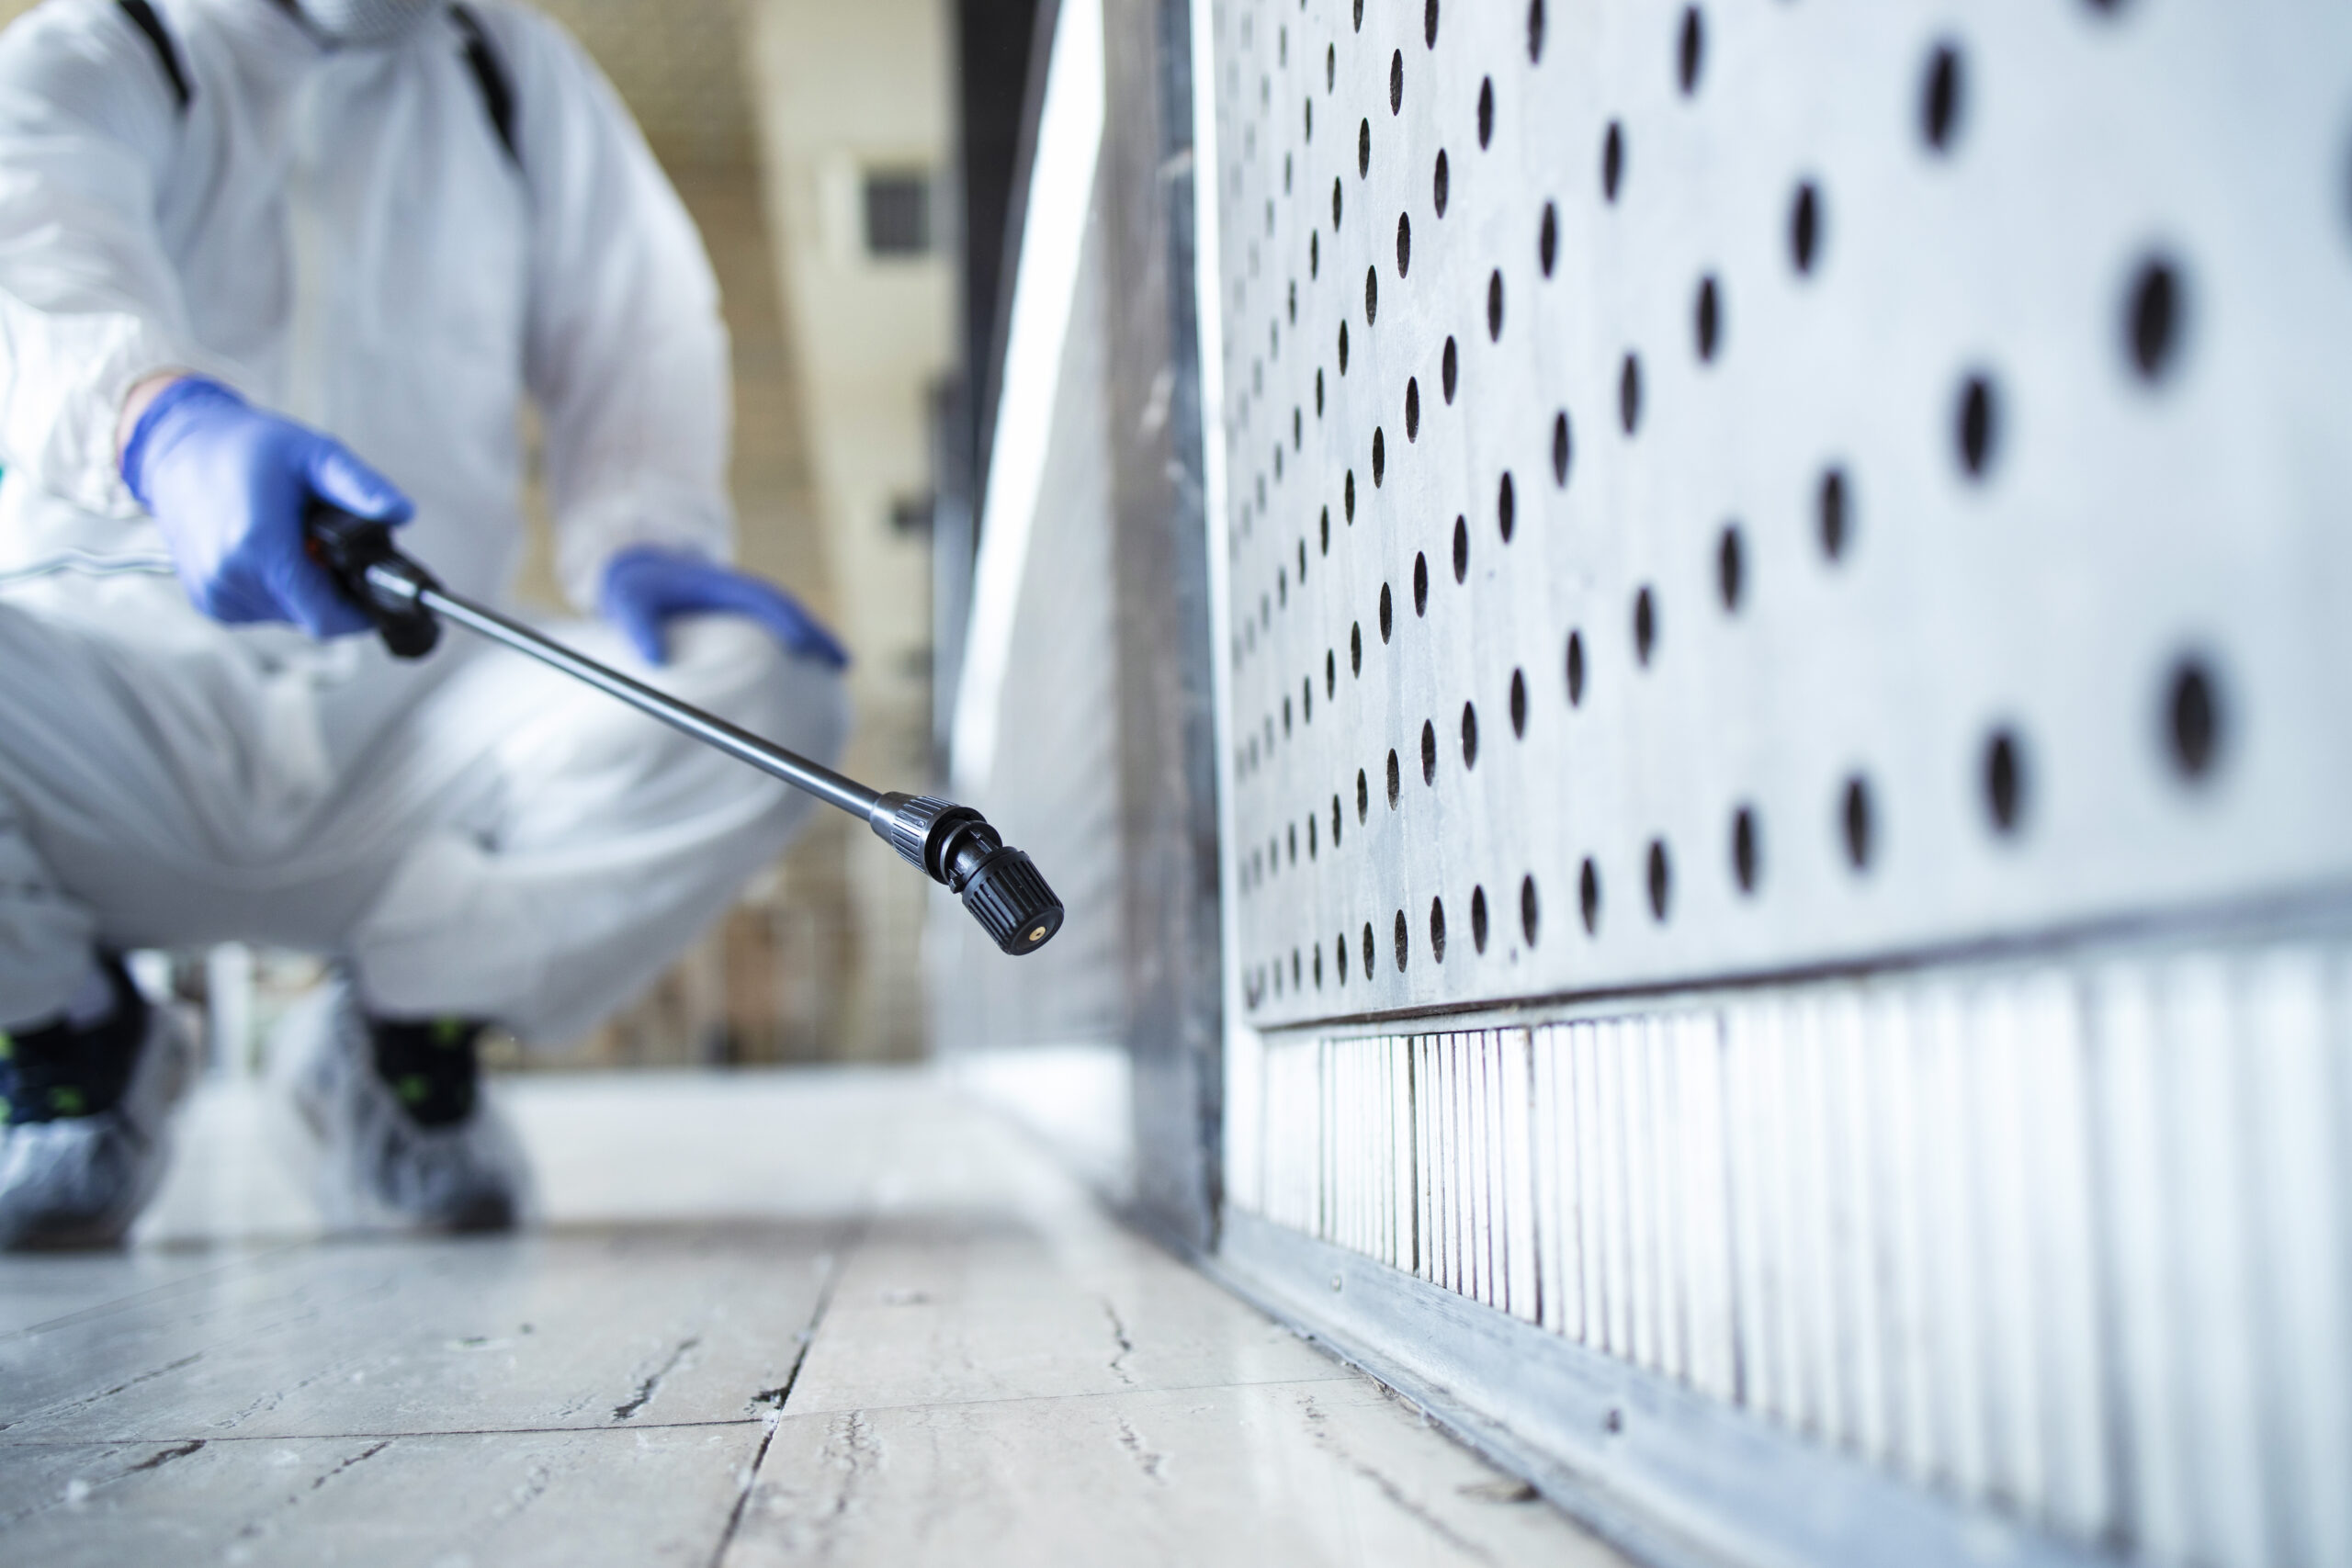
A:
(1673, 1478)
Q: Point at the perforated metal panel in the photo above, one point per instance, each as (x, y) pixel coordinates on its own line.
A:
(1767, 485)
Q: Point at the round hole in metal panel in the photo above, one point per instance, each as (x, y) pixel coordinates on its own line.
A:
(1461, 549)
(1804, 227)
(1575, 668)
(2152, 317)
(1706, 324)
(1978, 424)
(1371, 295)
(1833, 507)
(1395, 81)
(1348, 495)
(1494, 305)
(1629, 393)
(2195, 727)
(1420, 585)
(1318, 966)
(1646, 619)
(1529, 914)
(1661, 881)
(1731, 568)
(1744, 848)
(1448, 363)
(1402, 938)
(1613, 161)
(1335, 207)
(1429, 753)
(1396, 779)
(1387, 616)
(1412, 409)
(1469, 735)
(1689, 51)
(1942, 97)
(1323, 527)
(1330, 675)
(1379, 457)
(1485, 111)
(1340, 957)
(1535, 30)
(1588, 896)
(1439, 180)
(1367, 950)
(1363, 153)
(1355, 647)
(1428, 23)
(1506, 508)
(1561, 449)
(1547, 239)
(1437, 931)
(2005, 780)
(1855, 819)
(1343, 348)
(1478, 918)
(1519, 704)
(1364, 795)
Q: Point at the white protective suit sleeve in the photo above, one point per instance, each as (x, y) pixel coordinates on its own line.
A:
(89, 302)
(625, 353)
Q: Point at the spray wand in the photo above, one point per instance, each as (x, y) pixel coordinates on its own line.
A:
(952, 844)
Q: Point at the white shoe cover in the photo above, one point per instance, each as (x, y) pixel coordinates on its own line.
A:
(80, 1181)
(376, 1167)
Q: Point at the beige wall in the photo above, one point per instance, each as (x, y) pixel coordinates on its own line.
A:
(839, 89)
(767, 114)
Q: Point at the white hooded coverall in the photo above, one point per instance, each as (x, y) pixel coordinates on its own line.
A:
(341, 235)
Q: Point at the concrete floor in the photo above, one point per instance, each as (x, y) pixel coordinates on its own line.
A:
(823, 1317)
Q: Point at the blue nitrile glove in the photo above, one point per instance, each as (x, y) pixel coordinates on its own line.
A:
(645, 587)
(228, 484)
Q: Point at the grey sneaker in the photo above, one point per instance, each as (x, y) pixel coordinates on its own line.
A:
(89, 1121)
(404, 1136)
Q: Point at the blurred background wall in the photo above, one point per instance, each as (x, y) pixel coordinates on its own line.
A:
(811, 143)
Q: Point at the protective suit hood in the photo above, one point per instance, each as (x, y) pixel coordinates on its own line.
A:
(362, 22)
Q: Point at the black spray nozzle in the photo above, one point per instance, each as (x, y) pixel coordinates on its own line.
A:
(383, 582)
(955, 846)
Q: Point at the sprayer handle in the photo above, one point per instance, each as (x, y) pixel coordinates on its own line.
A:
(357, 552)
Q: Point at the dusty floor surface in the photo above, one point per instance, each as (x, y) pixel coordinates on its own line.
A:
(817, 1317)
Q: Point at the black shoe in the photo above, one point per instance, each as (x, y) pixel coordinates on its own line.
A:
(88, 1113)
(405, 1135)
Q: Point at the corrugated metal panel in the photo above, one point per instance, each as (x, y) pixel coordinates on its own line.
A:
(2067, 1241)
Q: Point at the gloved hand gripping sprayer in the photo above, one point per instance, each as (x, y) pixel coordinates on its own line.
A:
(953, 844)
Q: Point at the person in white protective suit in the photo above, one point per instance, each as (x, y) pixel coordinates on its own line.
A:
(258, 251)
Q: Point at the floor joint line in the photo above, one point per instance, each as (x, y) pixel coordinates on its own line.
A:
(784, 1395)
